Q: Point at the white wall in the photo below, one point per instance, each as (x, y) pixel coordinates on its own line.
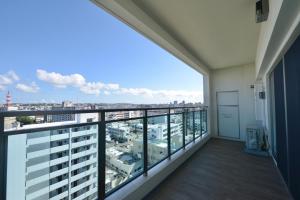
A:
(235, 79)
(259, 104)
(206, 98)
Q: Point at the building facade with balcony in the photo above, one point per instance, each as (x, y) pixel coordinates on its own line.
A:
(55, 164)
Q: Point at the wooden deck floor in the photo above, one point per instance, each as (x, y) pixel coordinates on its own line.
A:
(222, 171)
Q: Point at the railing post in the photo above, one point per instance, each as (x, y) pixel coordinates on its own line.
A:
(3, 159)
(206, 129)
(145, 142)
(101, 155)
(184, 127)
(45, 118)
(169, 133)
(201, 122)
(194, 129)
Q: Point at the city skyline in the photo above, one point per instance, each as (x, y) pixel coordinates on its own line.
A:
(10, 82)
(85, 55)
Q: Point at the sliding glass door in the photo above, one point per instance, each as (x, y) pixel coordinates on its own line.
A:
(285, 117)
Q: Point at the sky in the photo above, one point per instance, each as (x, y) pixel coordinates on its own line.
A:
(56, 50)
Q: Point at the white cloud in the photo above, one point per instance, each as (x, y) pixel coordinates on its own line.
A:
(92, 88)
(106, 92)
(112, 86)
(137, 91)
(60, 80)
(95, 88)
(167, 95)
(7, 79)
(74, 80)
(32, 88)
(13, 75)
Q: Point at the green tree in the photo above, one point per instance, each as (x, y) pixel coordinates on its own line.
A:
(25, 120)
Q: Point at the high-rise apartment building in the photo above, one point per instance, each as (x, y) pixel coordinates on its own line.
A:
(55, 164)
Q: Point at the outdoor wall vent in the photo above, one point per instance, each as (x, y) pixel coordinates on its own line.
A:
(262, 10)
(262, 95)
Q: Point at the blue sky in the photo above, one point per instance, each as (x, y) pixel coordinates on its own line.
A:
(58, 50)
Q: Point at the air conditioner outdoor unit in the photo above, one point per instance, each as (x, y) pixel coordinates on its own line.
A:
(256, 140)
(262, 10)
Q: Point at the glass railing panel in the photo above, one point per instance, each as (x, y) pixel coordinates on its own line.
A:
(189, 127)
(53, 164)
(176, 126)
(157, 139)
(197, 122)
(204, 121)
(124, 152)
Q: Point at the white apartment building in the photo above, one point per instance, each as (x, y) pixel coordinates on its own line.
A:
(126, 164)
(157, 150)
(123, 114)
(157, 141)
(118, 131)
(160, 131)
(56, 164)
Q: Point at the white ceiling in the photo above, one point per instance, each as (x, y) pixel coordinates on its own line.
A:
(220, 33)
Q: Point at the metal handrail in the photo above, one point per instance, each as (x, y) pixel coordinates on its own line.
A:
(82, 111)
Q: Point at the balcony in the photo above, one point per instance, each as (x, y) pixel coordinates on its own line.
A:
(251, 78)
(168, 137)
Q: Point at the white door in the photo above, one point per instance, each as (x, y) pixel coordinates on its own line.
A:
(228, 114)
